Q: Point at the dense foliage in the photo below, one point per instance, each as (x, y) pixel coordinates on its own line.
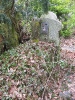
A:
(16, 15)
(65, 12)
(29, 72)
(35, 70)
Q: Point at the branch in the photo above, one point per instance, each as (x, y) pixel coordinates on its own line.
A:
(11, 8)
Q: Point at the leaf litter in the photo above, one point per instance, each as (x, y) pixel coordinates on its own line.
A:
(26, 73)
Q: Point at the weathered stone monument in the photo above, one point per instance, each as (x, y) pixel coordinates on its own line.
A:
(50, 27)
(46, 28)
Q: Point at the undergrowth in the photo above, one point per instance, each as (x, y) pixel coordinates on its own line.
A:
(29, 72)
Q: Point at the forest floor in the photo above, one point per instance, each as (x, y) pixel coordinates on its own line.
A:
(27, 72)
(68, 54)
(68, 50)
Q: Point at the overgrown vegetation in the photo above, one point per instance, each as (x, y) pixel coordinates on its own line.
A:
(33, 70)
(65, 12)
(29, 72)
(17, 15)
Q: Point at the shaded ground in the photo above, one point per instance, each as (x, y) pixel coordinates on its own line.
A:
(27, 72)
(71, 85)
(68, 50)
(68, 54)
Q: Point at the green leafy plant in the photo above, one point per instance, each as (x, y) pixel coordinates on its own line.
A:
(65, 11)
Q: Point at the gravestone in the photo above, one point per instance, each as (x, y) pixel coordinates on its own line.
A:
(50, 27)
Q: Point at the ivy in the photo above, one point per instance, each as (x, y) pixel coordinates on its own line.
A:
(5, 19)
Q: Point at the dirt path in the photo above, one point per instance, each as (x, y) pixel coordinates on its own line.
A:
(68, 50)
